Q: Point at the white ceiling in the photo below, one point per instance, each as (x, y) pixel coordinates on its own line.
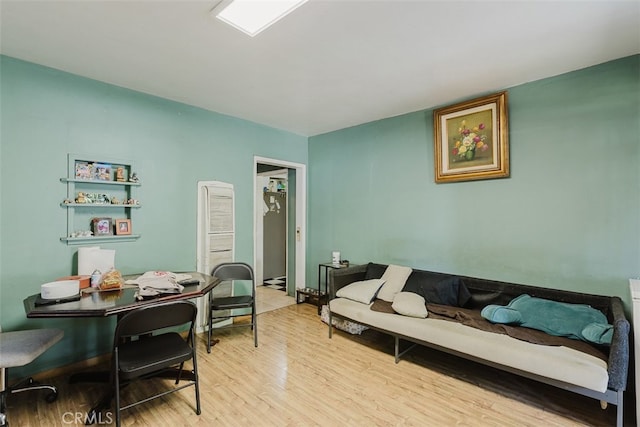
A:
(331, 64)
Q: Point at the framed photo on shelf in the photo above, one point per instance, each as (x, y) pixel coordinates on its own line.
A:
(102, 226)
(84, 170)
(471, 140)
(123, 227)
(102, 171)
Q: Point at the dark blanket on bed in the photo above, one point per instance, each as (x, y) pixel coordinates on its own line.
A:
(472, 318)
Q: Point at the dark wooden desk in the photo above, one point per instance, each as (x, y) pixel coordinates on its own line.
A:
(108, 303)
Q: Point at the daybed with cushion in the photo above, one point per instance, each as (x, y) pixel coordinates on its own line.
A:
(492, 322)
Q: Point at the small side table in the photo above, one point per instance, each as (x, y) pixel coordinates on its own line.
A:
(312, 296)
(319, 296)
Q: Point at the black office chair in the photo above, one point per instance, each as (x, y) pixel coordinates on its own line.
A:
(19, 348)
(138, 353)
(233, 271)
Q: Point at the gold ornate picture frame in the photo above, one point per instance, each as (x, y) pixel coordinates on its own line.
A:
(471, 140)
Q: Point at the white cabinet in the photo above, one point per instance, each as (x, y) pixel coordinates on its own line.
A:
(101, 194)
(216, 236)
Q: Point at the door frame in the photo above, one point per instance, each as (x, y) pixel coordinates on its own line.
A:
(300, 226)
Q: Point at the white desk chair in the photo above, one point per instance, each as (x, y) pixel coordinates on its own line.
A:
(20, 348)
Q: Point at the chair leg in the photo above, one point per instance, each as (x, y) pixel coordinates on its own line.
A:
(3, 397)
(116, 376)
(3, 409)
(195, 374)
(254, 325)
(179, 373)
(30, 385)
(25, 385)
(209, 332)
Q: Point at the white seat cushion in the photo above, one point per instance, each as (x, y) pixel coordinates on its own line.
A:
(19, 348)
(556, 362)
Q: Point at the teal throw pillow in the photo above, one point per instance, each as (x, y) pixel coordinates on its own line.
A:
(501, 314)
(598, 333)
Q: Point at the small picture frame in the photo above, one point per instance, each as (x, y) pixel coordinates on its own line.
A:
(102, 171)
(123, 227)
(120, 174)
(102, 226)
(83, 170)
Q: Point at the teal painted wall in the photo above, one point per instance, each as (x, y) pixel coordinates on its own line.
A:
(46, 114)
(567, 218)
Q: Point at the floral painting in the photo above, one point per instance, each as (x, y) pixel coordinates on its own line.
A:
(471, 140)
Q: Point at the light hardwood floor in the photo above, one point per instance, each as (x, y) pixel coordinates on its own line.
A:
(299, 377)
(268, 299)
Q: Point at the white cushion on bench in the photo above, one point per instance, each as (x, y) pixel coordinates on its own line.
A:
(556, 362)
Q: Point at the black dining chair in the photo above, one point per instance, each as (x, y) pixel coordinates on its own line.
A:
(236, 305)
(143, 347)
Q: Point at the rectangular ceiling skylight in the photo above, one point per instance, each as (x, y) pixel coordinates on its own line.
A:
(253, 16)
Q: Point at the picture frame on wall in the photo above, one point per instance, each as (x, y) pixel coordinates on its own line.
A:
(123, 227)
(471, 140)
(102, 226)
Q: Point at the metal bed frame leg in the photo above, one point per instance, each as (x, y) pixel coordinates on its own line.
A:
(620, 410)
(398, 353)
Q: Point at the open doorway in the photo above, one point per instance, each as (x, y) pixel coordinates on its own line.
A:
(280, 205)
(274, 184)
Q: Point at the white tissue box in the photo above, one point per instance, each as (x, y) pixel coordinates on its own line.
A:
(60, 289)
